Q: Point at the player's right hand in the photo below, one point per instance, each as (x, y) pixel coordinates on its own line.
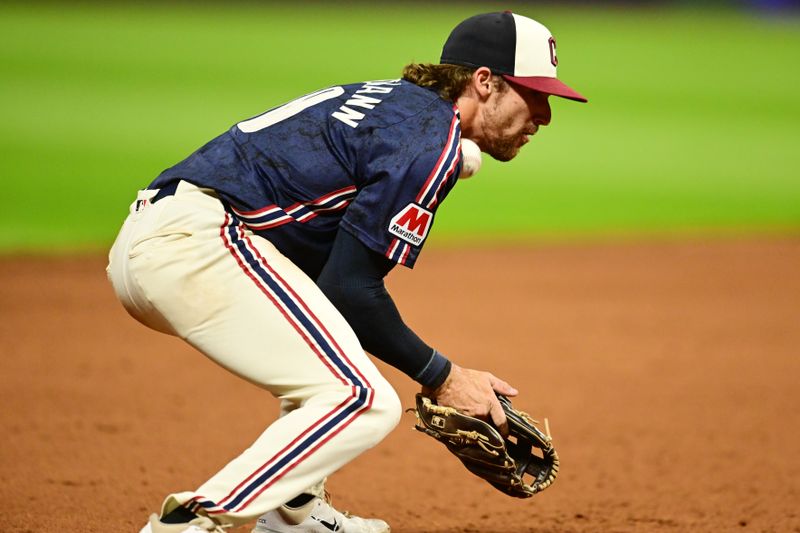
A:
(474, 393)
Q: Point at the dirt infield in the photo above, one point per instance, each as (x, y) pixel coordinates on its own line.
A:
(669, 373)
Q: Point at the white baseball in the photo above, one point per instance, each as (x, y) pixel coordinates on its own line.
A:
(471, 156)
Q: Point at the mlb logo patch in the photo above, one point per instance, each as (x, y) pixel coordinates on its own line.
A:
(411, 224)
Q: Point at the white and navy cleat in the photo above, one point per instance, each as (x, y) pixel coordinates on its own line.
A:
(320, 518)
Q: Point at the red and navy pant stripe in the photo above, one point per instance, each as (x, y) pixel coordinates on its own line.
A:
(295, 310)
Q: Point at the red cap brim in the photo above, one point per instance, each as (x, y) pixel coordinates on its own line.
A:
(548, 86)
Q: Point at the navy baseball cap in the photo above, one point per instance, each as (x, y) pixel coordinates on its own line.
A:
(520, 49)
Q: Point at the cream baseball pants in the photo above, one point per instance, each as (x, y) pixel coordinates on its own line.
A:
(186, 267)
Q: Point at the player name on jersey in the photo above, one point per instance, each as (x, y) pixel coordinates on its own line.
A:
(350, 116)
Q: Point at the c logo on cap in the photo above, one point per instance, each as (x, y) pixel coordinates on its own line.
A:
(553, 57)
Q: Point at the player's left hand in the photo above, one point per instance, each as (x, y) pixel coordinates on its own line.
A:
(520, 464)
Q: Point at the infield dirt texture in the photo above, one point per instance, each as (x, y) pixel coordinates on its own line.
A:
(668, 370)
(668, 373)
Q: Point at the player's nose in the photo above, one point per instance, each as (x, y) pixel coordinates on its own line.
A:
(539, 107)
(542, 114)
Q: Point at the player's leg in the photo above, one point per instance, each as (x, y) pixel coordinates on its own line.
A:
(192, 270)
(313, 510)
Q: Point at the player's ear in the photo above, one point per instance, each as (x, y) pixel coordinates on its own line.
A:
(482, 82)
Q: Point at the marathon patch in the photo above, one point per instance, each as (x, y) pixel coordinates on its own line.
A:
(411, 224)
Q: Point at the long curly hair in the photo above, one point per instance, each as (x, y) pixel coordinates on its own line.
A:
(449, 81)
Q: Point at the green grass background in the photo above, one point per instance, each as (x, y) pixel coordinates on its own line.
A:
(692, 125)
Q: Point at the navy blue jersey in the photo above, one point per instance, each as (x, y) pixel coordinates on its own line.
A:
(374, 158)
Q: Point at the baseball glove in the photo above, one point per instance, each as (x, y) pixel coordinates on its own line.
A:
(521, 464)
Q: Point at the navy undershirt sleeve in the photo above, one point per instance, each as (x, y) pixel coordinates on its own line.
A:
(352, 279)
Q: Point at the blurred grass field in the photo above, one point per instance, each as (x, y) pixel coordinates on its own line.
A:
(692, 125)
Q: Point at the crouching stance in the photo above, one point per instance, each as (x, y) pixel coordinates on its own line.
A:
(184, 266)
(267, 250)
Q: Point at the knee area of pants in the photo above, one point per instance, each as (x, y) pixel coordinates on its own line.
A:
(386, 407)
(381, 405)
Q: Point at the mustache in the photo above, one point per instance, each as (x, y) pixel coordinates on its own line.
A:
(530, 130)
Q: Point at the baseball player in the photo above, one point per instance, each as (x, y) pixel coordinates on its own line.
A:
(267, 248)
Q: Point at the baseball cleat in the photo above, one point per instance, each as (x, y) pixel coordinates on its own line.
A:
(201, 524)
(322, 518)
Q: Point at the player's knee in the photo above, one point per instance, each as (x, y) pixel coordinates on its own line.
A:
(390, 406)
(384, 412)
